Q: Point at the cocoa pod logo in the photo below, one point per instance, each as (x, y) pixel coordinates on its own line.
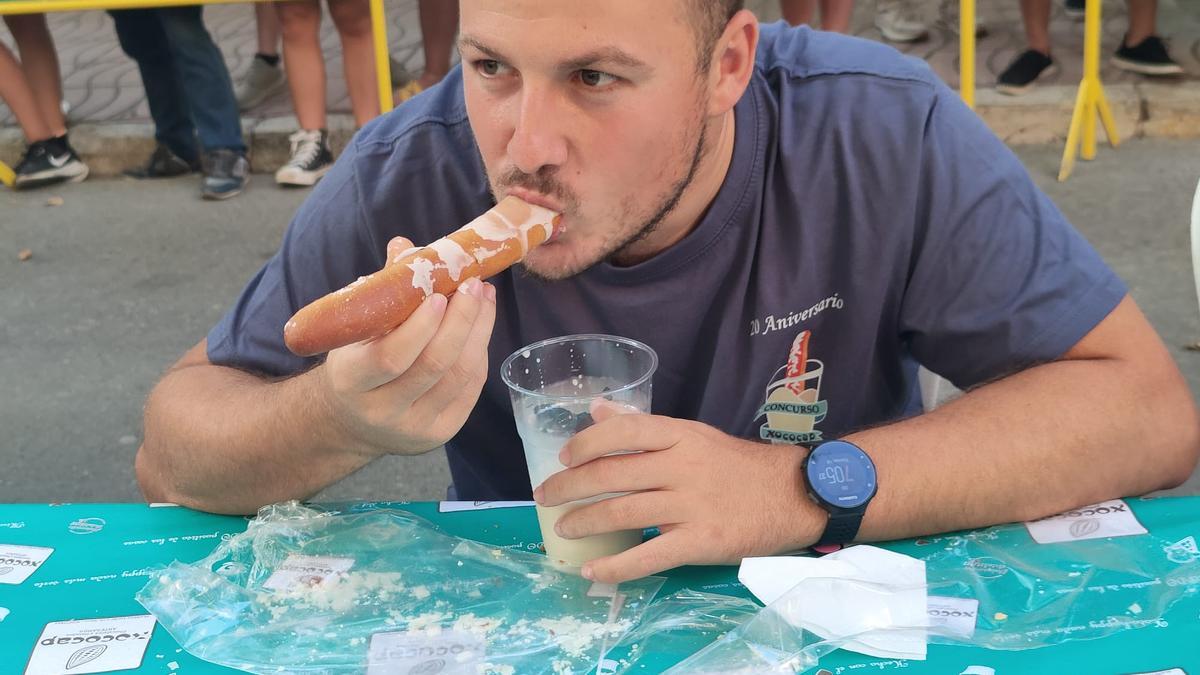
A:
(430, 667)
(85, 655)
(1082, 528)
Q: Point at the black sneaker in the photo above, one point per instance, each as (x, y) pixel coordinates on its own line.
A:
(311, 159)
(163, 164)
(226, 173)
(1075, 9)
(1148, 57)
(47, 162)
(1020, 75)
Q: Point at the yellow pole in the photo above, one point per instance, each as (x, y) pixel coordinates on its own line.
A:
(383, 69)
(1068, 160)
(42, 6)
(1091, 75)
(966, 46)
(1091, 102)
(6, 175)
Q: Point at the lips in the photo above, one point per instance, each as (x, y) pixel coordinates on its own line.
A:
(536, 198)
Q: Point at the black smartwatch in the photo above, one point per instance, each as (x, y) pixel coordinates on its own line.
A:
(841, 479)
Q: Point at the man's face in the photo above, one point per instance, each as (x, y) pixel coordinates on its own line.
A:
(591, 108)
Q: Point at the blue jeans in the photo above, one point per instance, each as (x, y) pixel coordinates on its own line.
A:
(186, 81)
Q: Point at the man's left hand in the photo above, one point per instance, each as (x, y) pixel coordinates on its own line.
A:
(714, 498)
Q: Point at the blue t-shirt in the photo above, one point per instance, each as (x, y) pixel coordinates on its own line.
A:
(864, 204)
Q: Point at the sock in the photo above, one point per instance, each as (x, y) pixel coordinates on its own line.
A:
(270, 59)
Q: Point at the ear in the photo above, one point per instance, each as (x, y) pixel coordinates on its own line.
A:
(732, 62)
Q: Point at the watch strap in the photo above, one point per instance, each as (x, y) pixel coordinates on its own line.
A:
(842, 527)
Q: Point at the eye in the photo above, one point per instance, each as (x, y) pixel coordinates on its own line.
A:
(594, 79)
(490, 68)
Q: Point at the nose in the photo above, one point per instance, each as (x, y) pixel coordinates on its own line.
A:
(538, 140)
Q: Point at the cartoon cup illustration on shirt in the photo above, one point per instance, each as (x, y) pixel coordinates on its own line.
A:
(793, 407)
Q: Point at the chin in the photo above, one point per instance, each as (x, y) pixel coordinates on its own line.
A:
(555, 261)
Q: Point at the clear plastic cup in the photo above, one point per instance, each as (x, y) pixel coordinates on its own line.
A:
(553, 385)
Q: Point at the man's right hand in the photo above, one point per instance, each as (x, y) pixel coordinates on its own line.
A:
(411, 390)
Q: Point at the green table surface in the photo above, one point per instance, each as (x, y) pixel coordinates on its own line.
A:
(104, 552)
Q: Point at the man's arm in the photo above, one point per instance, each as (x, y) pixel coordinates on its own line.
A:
(222, 440)
(1112, 418)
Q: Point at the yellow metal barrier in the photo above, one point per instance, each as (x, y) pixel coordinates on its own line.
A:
(378, 26)
(1090, 101)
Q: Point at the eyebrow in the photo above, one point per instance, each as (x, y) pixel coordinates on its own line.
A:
(588, 60)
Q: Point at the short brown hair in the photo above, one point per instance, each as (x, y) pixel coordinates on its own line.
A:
(709, 18)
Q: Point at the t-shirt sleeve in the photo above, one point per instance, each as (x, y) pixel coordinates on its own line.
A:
(326, 246)
(999, 280)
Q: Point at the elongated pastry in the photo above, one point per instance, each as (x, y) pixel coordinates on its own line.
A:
(375, 304)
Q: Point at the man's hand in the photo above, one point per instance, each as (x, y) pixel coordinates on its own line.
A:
(715, 498)
(411, 390)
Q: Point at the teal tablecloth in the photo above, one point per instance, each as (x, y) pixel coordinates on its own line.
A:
(102, 554)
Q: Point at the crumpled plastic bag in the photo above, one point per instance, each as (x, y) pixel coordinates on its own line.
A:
(309, 591)
(993, 588)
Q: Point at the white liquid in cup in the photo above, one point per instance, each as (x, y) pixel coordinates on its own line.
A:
(576, 552)
(543, 439)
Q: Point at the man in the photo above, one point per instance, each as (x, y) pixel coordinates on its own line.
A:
(196, 120)
(723, 199)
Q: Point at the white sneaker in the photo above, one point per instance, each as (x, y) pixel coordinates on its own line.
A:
(900, 21)
(311, 159)
(262, 81)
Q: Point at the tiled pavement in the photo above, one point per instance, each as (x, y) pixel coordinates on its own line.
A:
(103, 86)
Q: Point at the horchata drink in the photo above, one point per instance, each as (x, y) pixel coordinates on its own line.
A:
(554, 385)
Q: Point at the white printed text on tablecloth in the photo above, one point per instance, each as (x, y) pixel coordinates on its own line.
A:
(454, 507)
(1106, 519)
(17, 563)
(91, 645)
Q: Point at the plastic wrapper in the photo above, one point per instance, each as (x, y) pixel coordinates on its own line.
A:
(994, 588)
(676, 626)
(306, 591)
(768, 642)
(1030, 595)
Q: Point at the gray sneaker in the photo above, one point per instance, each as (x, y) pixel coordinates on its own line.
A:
(262, 81)
(226, 173)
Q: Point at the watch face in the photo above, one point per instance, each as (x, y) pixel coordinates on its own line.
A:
(841, 474)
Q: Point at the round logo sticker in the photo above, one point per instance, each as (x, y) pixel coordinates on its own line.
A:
(1082, 528)
(86, 526)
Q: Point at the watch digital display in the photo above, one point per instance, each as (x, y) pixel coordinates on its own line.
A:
(841, 474)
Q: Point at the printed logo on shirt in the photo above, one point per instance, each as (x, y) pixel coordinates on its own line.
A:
(771, 323)
(792, 401)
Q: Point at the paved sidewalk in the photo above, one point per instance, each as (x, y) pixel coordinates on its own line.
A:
(109, 112)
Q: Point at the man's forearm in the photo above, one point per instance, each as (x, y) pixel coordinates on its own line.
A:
(221, 440)
(1039, 442)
